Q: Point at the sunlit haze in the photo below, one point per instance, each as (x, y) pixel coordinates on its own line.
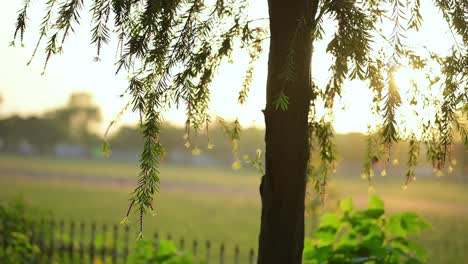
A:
(26, 91)
(380, 174)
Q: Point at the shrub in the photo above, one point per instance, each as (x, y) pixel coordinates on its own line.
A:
(12, 216)
(352, 236)
(19, 250)
(15, 230)
(366, 236)
(166, 252)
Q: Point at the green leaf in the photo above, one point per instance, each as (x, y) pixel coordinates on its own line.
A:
(375, 207)
(417, 250)
(348, 241)
(393, 226)
(399, 245)
(330, 220)
(281, 102)
(375, 203)
(365, 236)
(105, 150)
(319, 254)
(346, 205)
(325, 236)
(412, 223)
(372, 213)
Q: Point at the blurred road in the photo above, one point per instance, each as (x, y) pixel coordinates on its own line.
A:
(125, 182)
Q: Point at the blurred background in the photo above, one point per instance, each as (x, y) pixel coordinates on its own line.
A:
(54, 161)
(52, 131)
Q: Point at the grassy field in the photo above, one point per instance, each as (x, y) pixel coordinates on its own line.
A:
(227, 208)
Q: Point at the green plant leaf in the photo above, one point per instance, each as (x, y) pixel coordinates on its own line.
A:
(105, 150)
(417, 250)
(412, 223)
(393, 226)
(375, 202)
(281, 102)
(375, 207)
(330, 220)
(366, 236)
(346, 205)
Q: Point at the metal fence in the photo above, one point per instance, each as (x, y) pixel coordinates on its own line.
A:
(72, 242)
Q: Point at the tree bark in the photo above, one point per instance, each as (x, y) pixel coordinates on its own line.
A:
(283, 186)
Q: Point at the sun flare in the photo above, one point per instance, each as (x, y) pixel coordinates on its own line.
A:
(416, 88)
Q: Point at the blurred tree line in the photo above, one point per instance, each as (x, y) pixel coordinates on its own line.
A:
(75, 124)
(71, 124)
(216, 148)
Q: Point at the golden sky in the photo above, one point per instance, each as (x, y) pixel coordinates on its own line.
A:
(25, 90)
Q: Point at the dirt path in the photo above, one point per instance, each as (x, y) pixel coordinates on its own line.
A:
(125, 182)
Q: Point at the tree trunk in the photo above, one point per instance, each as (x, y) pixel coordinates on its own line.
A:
(283, 186)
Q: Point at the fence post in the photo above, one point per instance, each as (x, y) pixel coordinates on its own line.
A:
(156, 240)
(61, 242)
(34, 232)
(82, 234)
(51, 243)
(103, 248)
(4, 233)
(22, 223)
(208, 246)
(251, 256)
(125, 253)
(114, 244)
(92, 244)
(64, 246)
(41, 238)
(461, 227)
(182, 244)
(195, 247)
(71, 246)
(221, 254)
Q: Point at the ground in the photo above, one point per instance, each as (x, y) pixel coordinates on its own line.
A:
(218, 203)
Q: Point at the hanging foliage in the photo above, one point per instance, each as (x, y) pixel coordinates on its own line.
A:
(172, 49)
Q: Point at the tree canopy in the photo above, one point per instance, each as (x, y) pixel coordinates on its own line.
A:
(171, 50)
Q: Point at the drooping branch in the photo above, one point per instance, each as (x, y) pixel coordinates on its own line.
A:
(173, 49)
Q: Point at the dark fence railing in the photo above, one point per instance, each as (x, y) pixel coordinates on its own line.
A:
(72, 242)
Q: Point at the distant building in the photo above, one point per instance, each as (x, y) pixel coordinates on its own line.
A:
(70, 151)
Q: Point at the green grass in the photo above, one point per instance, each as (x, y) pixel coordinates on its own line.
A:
(125, 170)
(229, 217)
